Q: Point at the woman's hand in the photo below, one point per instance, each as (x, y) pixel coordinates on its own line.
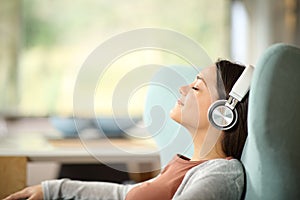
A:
(30, 193)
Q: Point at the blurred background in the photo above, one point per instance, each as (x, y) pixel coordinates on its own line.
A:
(43, 44)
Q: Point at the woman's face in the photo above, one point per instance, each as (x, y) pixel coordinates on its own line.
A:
(192, 107)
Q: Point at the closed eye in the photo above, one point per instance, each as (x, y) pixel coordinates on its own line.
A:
(194, 88)
(198, 81)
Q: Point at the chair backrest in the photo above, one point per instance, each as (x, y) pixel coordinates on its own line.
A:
(271, 156)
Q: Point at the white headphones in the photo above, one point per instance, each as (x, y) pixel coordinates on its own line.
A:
(222, 114)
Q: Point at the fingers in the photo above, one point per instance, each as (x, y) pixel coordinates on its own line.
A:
(18, 195)
(32, 193)
(34, 197)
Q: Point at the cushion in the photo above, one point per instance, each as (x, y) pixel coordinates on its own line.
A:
(271, 155)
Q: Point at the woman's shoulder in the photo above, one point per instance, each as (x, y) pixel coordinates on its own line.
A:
(221, 165)
(230, 172)
(232, 168)
(217, 178)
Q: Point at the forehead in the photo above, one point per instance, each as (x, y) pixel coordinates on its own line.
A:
(208, 73)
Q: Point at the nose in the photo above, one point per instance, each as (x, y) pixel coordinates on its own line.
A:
(184, 90)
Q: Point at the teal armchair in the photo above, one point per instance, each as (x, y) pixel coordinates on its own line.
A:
(271, 156)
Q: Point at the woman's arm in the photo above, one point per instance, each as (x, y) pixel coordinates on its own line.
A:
(79, 190)
(76, 190)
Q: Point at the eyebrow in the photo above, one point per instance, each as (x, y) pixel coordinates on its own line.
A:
(200, 78)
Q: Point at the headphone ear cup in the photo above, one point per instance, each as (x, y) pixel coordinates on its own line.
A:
(221, 116)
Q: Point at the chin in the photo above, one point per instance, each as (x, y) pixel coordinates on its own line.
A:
(175, 115)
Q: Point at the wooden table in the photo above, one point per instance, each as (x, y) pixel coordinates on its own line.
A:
(17, 150)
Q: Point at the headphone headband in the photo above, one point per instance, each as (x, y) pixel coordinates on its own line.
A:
(240, 88)
(242, 85)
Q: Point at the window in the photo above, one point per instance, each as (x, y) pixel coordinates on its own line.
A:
(46, 43)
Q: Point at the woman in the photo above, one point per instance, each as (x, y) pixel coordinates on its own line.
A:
(214, 171)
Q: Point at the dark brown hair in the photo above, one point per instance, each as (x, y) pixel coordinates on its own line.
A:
(234, 138)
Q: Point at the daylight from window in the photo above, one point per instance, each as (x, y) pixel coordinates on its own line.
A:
(56, 37)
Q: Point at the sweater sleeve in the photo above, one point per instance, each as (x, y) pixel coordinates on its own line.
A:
(220, 179)
(79, 190)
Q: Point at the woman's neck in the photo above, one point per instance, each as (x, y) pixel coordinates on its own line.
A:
(215, 151)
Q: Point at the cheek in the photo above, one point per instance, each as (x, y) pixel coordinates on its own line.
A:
(194, 113)
(191, 113)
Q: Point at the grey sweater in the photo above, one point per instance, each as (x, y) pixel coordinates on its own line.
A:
(214, 179)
